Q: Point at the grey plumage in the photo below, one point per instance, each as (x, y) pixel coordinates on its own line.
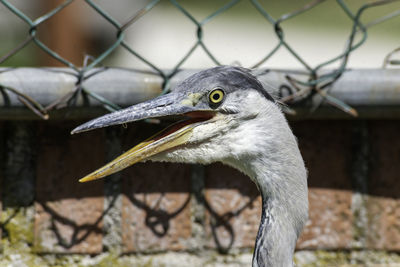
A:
(242, 127)
(228, 78)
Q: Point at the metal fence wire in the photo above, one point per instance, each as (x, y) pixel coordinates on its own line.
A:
(314, 81)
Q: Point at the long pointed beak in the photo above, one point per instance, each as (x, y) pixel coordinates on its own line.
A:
(158, 107)
(173, 136)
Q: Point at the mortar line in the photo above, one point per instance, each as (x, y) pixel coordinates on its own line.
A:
(19, 176)
(197, 186)
(359, 176)
(2, 167)
(112, 226)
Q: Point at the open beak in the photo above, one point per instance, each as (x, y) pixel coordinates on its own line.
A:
(173, 136)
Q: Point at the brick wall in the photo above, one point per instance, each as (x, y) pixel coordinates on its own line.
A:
(197, 211)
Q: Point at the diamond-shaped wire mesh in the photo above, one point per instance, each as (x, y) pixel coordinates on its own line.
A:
(314, 81)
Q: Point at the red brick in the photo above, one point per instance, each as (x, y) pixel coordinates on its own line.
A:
(330, 220)
(68, 213)
(326, 150)
(156, 207)
(384, 183)
(233, 208)
(384, 223)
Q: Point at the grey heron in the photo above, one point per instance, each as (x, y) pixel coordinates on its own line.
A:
(229, 117)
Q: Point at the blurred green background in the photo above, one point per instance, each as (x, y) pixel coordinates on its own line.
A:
(240, 35)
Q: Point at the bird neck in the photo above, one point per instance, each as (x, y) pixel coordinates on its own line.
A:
(283, 188)
(278, 170)
(262, 250)
(275, 241)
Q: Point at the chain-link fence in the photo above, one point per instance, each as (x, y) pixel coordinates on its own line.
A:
(314, 78)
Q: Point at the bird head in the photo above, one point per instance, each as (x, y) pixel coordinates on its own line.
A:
(219, 108)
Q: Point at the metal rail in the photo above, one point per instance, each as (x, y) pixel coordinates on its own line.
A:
(374, 93)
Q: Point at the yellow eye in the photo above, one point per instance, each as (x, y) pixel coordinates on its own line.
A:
(216, 96)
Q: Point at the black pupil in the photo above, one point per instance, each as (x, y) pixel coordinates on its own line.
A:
(216, 96)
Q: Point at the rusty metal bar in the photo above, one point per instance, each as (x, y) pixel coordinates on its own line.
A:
(374, 93)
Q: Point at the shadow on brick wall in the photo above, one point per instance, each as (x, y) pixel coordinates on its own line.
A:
(157, 198)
